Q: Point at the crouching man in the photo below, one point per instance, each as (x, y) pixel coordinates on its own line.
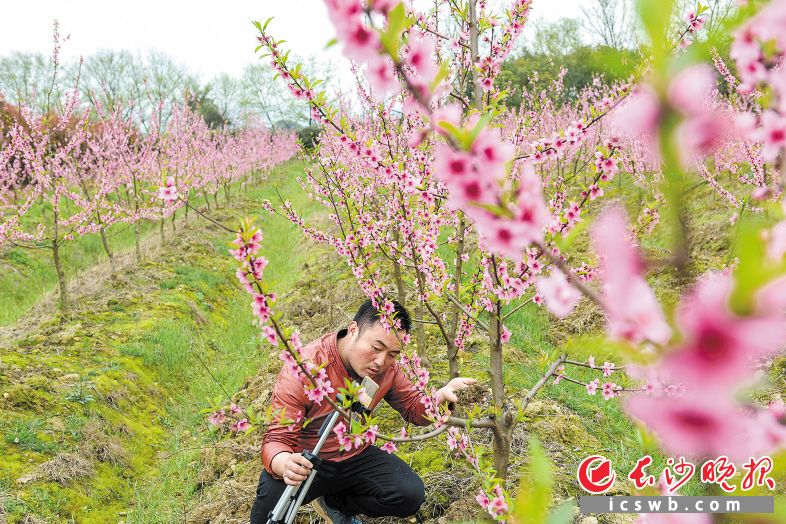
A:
(364, 480)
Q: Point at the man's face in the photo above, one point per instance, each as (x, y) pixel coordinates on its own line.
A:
(372, 352)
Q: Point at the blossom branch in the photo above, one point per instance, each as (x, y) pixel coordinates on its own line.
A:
(540, 383)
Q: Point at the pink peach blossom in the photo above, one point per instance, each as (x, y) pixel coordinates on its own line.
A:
(559, 295)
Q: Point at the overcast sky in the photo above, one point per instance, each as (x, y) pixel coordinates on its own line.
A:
(209, 37)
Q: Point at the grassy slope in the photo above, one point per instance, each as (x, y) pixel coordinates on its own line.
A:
(239, 354)
(123, 369)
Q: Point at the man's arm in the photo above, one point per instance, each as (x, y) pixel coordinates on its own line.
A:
(404, 398)
(288, 400)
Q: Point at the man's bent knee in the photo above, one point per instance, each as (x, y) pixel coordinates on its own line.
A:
(408, 498)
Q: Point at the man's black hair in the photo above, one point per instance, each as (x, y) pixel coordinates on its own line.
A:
(367, 314)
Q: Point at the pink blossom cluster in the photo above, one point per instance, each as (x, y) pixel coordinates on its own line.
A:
(691, 403)
(319, 386)
(757, 68)
(460, 442)
(558, 145)
(96, 168)
(634, 313)
(358, 437)
(609, 390)
(473, 180)
(695, 22)
(703, 129)
(419, 375)
(239, 423)
(362, 43)
(489, 66)
(250, 274)
(559, 295)
(495, 502)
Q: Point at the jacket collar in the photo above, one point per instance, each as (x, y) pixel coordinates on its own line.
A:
(329, 341)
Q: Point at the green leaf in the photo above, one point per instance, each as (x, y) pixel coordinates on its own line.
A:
(655, 16)
(770, 48)
(266, 23)
(333, 41)
(499, 96)
(459, 134)
(534, 498)
(564, 243)
(482, 122)
(562, 514)
(754, 268)
(397, 23)
(494, 209)
(442, 74)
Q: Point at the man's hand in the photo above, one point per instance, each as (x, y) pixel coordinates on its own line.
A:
(293, 467)
(447, 393)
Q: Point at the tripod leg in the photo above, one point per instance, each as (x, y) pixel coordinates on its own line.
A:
(289, 503)
(282, 505)
(301, 495)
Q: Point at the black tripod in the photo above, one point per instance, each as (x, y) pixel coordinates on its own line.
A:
(288, 505)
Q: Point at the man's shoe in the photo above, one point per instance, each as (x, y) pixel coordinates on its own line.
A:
(331, 514)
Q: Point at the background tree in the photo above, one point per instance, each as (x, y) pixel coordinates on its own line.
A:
(24, 76)
(611, 22)
(165, 85)
(201, 102)
(226, 93)
(558, 38)
(261, 94)
(109, 79)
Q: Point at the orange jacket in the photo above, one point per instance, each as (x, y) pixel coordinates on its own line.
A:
(288, 394)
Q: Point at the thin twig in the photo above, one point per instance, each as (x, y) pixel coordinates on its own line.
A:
(464, 310)
(542, 382)
(198, 212)
(510, 313)
(599, 368)
(204, 365)
(418, 438)
(575, 280)
(616, 390)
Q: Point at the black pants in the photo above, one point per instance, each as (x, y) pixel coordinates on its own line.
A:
(373, 483)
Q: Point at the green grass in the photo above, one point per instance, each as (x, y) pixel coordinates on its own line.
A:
(26, 434)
